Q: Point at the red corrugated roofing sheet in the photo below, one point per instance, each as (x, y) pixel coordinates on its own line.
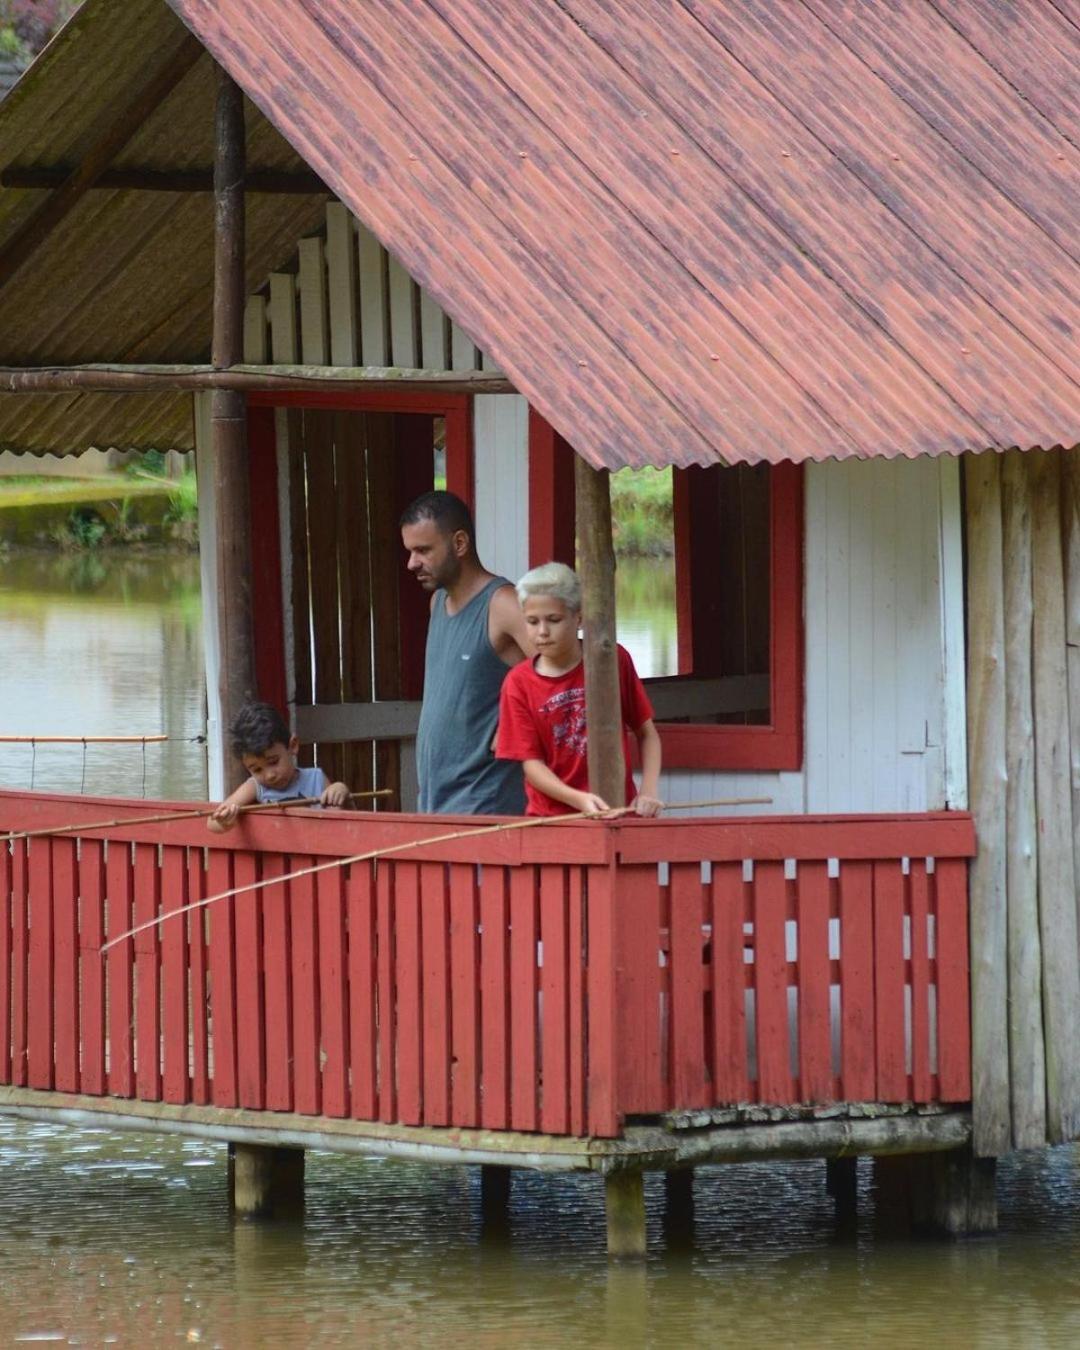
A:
(701, 230)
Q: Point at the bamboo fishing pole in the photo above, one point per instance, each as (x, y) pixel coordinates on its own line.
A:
(526, 823)
(121, 822)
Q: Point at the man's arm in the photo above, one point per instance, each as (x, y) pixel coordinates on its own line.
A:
(507, 631)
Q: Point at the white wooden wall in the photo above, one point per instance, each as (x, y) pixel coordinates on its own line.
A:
(884, 647)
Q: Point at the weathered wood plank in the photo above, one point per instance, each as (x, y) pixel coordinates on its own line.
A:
(1027, 1065)
(91, 963)
(991, 1107)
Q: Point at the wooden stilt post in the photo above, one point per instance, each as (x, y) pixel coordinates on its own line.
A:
(266, 1180)
(494, 1195)
(679, 1208)
(228, 418)
(596, 565)
(842, 1183)
(624, 1194)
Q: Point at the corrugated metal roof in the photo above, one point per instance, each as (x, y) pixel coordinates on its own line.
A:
(692, 230)
(129, 274)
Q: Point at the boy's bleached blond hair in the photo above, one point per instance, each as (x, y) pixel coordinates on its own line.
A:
(553, 579)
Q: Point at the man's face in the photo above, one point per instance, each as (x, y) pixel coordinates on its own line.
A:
(434, 557)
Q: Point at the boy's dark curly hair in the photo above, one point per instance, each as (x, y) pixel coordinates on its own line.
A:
(255, 728)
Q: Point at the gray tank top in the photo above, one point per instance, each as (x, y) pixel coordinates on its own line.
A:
(463, 674)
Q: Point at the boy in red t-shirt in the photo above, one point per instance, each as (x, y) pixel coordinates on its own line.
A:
(542, 707)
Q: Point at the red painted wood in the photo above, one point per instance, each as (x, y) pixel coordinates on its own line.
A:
(524, 986)
(364, 1092)
(554, 1034)
(889, 982)
(222, 979)
(779, 745)
(815, 1040)
(91, 965)
(551, 494)
(410, 1045)
(919, 890)
(604, 1110)
(5, 964)
(40, 966)
(267, 593)
(200, 1004)
(460, 456)
(120, 964)
(175, 965)
(387, 1010)
(857, 1074)
(277, 983)
(147, 945)
(954, 1017)
(808, 838)
(771, 983)
(494, 1000)
(576, 976)
(250, 1016)
(20, 944)
(435, 981)
(304, 952)
(333, 992)
(642, 1087)
(687, 987)
(464, 987)
(414, 473)
(65, 901)
(731, 1075)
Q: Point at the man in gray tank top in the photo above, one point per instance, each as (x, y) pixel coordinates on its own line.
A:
(476, 633)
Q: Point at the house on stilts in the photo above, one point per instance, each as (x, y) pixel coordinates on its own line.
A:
(820, 262)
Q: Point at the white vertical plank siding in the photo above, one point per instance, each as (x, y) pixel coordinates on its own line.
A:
(281, 440)
(501, 449)
(314, 315)
(256, 332)
(374, 311)
(341, 284)
(284, 342)
(954, 696)
(463, 353)
(204, 477)
(433, 344)
(404, 345)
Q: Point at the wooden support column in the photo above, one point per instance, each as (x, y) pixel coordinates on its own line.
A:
(953, 1194)
(228, 417)
(991, 1108)
(679, 1209)
(596, 565)
(266, 1181)
(842, 1184)
(494, 1195)
(624, 1194)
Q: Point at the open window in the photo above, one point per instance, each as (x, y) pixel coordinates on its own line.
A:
(725, 614)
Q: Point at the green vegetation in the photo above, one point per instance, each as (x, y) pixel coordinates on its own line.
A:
(642, 513)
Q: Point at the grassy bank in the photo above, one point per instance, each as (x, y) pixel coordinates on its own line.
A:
(641, 513)
(110, 510)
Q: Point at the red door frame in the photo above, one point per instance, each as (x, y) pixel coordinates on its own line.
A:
(267, 598)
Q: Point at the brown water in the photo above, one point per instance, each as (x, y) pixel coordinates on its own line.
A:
(126, 1239)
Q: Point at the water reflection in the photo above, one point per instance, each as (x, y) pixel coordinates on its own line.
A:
(91, 645)
(107, 1235)
(645, 609)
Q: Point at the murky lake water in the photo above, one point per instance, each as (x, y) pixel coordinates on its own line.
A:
(126, 1239)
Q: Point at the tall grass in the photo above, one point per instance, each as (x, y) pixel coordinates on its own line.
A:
(641, 513)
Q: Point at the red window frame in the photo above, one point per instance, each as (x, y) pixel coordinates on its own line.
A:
(777, 745)
(266, 574)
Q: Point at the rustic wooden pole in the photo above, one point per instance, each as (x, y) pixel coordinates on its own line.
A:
(624, 1194)
(1026, 1054)
(991, 1113)
(152, 379)
(1070, 512)
(1057, 878)
(228, 417)
(596, 565)
(266, 1180)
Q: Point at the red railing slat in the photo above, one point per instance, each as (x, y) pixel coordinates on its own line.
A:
(175, 965)
(554, 992)
(464, 995)
(815, 1034)
(687, 986)
(642, 1086)
(524, 935)
(197, 925)
(731, 1077)
(247, 916)
(120, 963)
(333, 992)
(304, 951)
(857, 982)
(20, 951)
(364, 1090)
(494, 1000)
(277, 982)
(5, 963)
(387, 1011)
(435, 979)
(40, 966)
(222, 963)
(919, 886)
(92, 964)
(771, 982)
(147, 898)
(65, 964)
(954, 1018)
(410, 1046)
(892, 1083)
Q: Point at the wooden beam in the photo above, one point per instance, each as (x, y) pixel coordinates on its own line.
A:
(271, 182)
(148, 379)
(52, 212)
(228, 417)
(596, 561)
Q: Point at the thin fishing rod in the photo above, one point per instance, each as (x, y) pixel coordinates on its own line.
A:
(526, 823)
(161, 817)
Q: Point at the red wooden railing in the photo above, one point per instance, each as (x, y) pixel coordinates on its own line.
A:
(555, 979)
